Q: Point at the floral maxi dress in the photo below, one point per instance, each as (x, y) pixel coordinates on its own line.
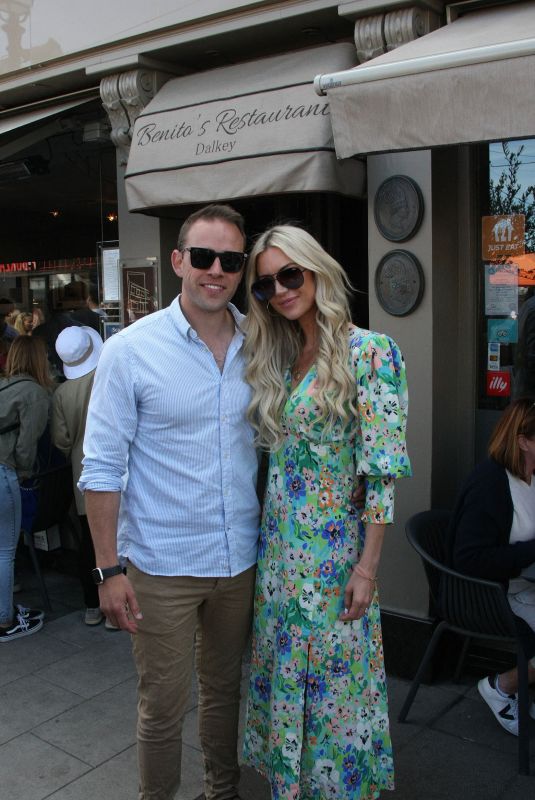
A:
(317, 715)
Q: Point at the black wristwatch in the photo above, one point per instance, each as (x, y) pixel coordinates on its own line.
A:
(100, 574)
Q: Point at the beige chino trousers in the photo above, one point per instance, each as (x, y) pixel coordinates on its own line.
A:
(211, 616)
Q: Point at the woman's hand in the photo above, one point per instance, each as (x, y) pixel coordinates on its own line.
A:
(361, 585)
(357, 597)
(358, 496)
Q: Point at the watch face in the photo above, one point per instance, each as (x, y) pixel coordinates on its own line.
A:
(398, 208)
(399, 282)
(98, 577)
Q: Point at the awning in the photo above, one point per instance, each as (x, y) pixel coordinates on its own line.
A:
(470, 81)
(247, 130)
(15, 127)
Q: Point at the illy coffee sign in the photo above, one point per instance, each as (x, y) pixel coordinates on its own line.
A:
(499, 383)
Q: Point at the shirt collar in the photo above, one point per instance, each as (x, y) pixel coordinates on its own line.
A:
(187, 330)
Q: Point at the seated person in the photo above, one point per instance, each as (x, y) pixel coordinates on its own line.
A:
(492, 536)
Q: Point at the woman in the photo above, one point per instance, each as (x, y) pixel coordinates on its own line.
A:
(24, 323)
(492, 536)
(24, 403)
(329, 402)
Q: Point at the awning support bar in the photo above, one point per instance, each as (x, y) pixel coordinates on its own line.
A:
(413, 66)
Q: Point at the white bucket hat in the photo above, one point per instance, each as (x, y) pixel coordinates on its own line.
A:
(79, 348)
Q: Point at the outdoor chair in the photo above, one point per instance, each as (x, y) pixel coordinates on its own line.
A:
(470, 607)
(54, 494)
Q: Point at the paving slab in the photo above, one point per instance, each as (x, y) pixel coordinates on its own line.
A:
(29, 702)
(430, 703)
(473, 721)
(72, 629)
(520, 788)
(437, 766)
(97, 729)
(93, 670)
(114, 780)
(253, 786)
(23, 656)
(32, 769)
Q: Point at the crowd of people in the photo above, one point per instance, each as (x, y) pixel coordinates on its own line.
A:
(42, 411)
(165, 426)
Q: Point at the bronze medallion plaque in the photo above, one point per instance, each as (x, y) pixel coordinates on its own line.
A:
(399, 282)
(398, 208)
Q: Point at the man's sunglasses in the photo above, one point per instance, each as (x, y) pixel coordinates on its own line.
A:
(290, 277)
(204, 257)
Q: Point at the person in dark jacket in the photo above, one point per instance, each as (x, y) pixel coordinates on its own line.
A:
(492, 536)
(24, 407)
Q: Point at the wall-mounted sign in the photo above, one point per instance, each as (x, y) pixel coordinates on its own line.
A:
(110, 275)
(502, 235)
(499, 383)
(109, 328)
(504, 331)
(493, 356)
(19, 266)
(49, 265)
(398, 208)
(139, 289)
(501, 290)
(399, 282)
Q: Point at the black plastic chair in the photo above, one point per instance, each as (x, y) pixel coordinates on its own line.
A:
(471, 607)
(54, 497)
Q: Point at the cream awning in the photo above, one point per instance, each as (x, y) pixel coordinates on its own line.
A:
(470, 81)
(247, 130)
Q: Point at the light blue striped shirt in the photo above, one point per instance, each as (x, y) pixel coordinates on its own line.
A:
(163, 414)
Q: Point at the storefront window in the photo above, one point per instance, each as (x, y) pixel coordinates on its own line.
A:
(507, 276)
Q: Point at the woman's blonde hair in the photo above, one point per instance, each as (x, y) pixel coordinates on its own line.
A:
(27, 356)
(19, 322)
(273, 343)
(518, 419)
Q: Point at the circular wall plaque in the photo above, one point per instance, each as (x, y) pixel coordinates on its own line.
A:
(399, 282)
(398, 208)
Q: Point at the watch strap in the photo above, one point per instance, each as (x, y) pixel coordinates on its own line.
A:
(101, 573)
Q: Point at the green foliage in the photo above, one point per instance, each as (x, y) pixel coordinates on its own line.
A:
(507, 197)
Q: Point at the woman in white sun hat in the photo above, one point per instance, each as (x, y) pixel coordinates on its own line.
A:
(79, 348)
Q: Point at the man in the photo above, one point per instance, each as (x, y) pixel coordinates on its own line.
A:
(167, 436)
(74, 303)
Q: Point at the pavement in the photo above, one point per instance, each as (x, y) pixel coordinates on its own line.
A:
(68, 713)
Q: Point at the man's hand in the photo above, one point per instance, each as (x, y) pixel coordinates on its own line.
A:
(118, 603)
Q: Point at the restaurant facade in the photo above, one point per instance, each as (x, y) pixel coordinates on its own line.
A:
(401, 135)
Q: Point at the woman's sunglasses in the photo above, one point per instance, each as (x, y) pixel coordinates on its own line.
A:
(290, 277)
(204, 257)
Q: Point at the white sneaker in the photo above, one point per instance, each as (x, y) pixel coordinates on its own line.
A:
(110, 626)
(93, 616)
(505, 709)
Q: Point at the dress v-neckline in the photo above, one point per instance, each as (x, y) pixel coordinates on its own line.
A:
(293, 389)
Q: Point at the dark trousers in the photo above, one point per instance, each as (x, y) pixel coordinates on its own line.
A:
(86, 562)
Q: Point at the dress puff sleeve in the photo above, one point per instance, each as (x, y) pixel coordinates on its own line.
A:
(382, 404)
